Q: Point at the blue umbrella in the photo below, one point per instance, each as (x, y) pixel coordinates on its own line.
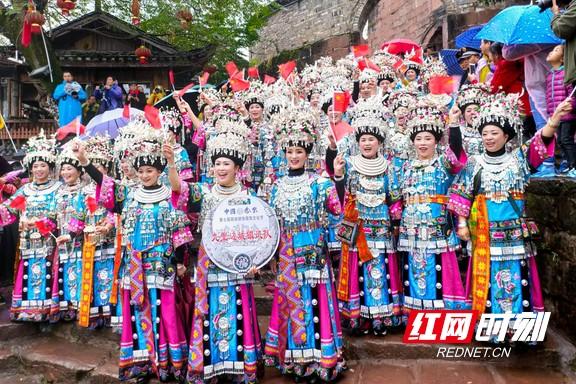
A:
(449, 58)
(109, 122)
(467, 39)
(520, 24)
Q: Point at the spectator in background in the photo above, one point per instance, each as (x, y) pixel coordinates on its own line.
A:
(109, 95)
(483, 70)
(556, 93)
(136, 98)
(564, 26)
(156, 95)
(509, 78)
(69, 95)
(89, 109)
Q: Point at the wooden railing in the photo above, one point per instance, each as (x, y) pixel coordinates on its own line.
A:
(23, 129)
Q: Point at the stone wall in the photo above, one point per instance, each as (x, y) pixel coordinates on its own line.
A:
(302, 23)
(553, 204)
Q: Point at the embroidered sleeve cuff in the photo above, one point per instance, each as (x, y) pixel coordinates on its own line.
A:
(455, 164)
(333, 202)
(182, 236)
(180, 200)
(76, 225)
(6, 217)
(459, 205)
(539, 151)
(105, 192)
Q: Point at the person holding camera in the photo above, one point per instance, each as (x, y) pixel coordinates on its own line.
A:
(136, 98)
(156, 95)
(564, 26)
(69, 95)
(109, 95)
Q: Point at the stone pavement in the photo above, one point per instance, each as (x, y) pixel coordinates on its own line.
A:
(66, 353)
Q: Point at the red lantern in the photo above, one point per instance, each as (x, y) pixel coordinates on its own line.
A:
(185, 16)
(36, 21)
(143, 53)
(66, 6)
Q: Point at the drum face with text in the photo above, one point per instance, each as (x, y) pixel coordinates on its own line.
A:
(241, 233)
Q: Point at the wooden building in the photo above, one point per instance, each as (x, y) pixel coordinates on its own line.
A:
(92, 47)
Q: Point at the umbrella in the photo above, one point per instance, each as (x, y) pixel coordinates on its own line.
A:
(109, 122)
(402, 46)
(520, 24)
(467, 39)
(449, 58)
(191, 97)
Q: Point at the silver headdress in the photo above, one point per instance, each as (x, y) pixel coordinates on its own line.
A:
(425, 117)
(368, 117)
(296, 127)
(40, 148)
(502, 110)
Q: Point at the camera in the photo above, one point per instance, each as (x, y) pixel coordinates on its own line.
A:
(545, 4)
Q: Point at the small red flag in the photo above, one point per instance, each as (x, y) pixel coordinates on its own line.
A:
(43, 228)
(126, 111)
(286, 69)
(26, 34)
(362, 65)
(253, 73)
(441, 85)
(153, 116)
(91, 204)
(231, 68)
(360, 50)
(74, 127)
(341, 101)
(19, 203)
(204, 78)
(239, 84)
(171, 77)
(185, 89)
(269, 79)
(373, 66)
(238, 75)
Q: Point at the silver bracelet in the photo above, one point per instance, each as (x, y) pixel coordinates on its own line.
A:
(463, 225)
(338, 178)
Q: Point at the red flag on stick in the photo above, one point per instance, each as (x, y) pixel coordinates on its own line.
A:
(153, 116)
(126, 111)
(360, 50)
(204, 78)
(73, 127)
(239, 84)
(441, 85)
(19, 203)
(286, 69)
(185, 89)
(43, 228)
(231, 68)
(253, 73)
(269, 79)
(171, 78)
(91, 204)
(341, 101)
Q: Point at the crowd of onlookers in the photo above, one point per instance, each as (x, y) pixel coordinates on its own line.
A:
(73, 100)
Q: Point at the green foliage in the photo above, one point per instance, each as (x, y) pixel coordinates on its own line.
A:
(228, 25)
